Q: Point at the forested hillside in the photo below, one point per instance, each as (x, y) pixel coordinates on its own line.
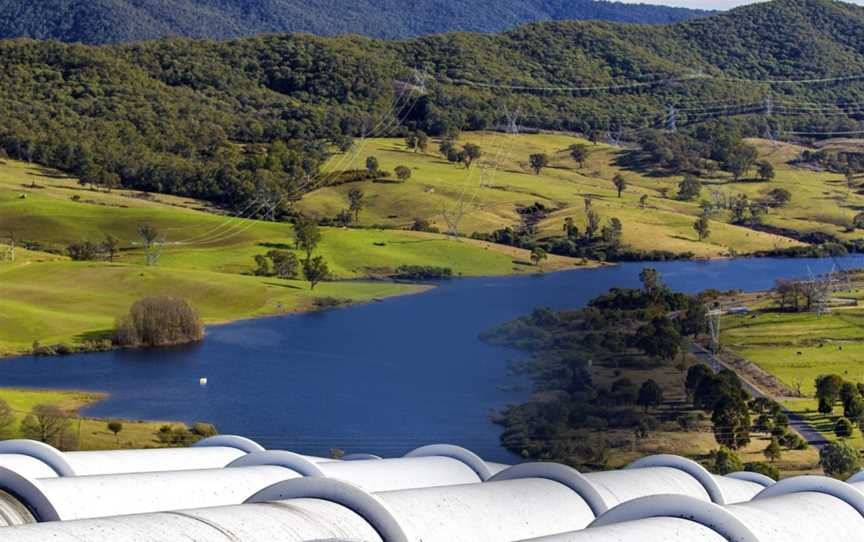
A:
(232, 120)
(114, 21)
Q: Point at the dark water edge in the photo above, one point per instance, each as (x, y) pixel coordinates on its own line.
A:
(381, 378)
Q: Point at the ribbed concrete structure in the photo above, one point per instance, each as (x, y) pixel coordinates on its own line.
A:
(229, 489)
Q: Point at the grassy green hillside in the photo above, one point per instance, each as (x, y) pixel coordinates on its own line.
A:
(797, 348)
(502, 181)
(208, 259)
(167, 116)
(93, 433)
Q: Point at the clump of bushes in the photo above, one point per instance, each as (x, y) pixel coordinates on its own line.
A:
(324, 303)
(159, 321)
(62, 349)
(422, 272)
(182, 436)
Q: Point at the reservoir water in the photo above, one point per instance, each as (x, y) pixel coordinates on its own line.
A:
(381, 378)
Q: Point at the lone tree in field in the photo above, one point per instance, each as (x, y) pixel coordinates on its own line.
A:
(46, 423)
(689, 188)
(650, 395)
(765, 171)
(579, 153)
(538, 255)
(773, 451)
(152, 243)
(702, 227)
(411, 141)
(110, 246)
(403, 173)
(470, 153)
(148, 234)
(307, 235)
(843, 428)
(839, 460)
(315, 270)
(643, 201)
(115, 427)
(159, 321)
(620, 183)
(538, 162)
(355, 202)
(780, 197)
(372, 165)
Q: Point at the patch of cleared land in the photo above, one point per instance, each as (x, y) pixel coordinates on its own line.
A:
(502, 180)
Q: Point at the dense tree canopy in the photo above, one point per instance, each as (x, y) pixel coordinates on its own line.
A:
(108, 21)
(178, 116)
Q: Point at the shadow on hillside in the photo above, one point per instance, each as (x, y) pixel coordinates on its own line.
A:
(276, 246)
(637, 162)
(283, 285)
(50, 173)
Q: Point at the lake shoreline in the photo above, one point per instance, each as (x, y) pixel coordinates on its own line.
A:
(413, 288)
(337, 378)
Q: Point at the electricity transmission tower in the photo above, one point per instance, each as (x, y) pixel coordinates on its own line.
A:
(153, 252)
(421, 79)
(512, 120)
(768, 112)
(820, 290)
(672, 119)
(713, 318)
(453, 217)
(615, 135)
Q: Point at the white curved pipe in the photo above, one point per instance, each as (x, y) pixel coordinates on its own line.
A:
(81, 497)
(720, 489)
(819, 511)
(493, 511)
(37, 460)
(496, 511)
(402, 473)
(296, 521)
(645, 530)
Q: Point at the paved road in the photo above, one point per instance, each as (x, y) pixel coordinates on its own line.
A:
(797, 422)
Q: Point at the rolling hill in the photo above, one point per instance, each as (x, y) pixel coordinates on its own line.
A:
(113, 21)
(207, 259)
(168, 115)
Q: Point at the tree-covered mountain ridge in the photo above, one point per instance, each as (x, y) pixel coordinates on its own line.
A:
(115, 21)
(167, 115)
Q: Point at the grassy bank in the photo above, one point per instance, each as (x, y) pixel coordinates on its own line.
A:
(502, 180)
(92, 433)
(798, 347)
(207, 258)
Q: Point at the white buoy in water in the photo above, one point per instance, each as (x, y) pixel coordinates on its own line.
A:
(202, 381)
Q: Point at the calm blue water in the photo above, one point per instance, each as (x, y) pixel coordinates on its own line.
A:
(380, 378)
